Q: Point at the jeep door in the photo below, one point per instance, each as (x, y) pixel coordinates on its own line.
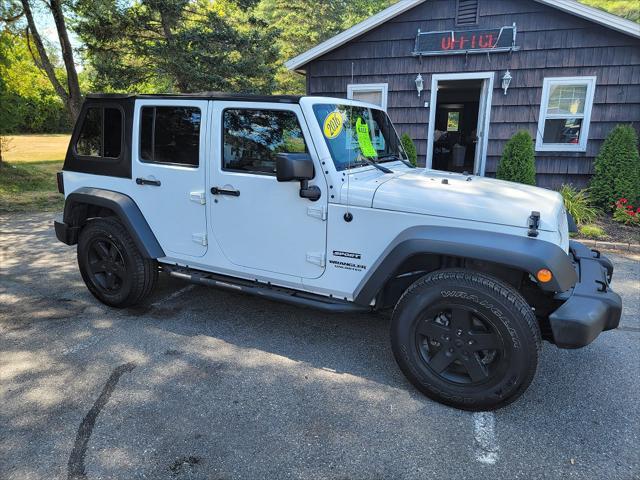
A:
(258, 222)
(168, 165)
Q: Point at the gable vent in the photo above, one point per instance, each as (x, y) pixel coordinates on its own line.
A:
(467, 12)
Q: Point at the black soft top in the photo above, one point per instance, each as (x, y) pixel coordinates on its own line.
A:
(121, 166)
(242, 97)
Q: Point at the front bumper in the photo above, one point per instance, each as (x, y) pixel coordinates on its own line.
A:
(590, 307)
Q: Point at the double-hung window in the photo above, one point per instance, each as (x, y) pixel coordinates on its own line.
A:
(375, 93)
(565, 114)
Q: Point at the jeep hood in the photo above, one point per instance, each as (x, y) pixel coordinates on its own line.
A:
(480, 199)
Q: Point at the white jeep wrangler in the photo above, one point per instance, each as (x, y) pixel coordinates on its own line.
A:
(311, 201)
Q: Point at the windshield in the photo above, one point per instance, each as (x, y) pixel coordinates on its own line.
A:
(352, 133)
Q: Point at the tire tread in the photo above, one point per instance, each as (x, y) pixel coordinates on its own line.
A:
(144, 274)
(495, 287)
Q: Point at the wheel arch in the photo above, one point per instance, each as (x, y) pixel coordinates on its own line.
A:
(88, 202)
(503, 252)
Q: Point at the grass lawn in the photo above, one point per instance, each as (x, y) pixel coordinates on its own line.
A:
(28, 173)
(36, 148)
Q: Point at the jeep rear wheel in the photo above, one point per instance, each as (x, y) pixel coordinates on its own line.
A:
(466, 339)
(111, 265)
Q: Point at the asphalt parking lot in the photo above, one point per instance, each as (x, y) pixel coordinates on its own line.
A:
(205, 384)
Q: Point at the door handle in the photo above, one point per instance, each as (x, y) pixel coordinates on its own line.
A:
(222, 191)
(146, 181)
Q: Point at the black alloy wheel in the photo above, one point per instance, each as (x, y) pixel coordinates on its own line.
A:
(459, 344)
(112, 267)
(107, 269)
(466, 339)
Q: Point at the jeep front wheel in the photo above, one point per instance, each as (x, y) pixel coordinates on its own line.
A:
(111, 264)
(466, 339)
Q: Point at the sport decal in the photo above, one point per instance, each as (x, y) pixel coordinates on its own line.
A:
(339, 253)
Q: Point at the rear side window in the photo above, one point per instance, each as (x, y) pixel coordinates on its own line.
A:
(101, 133)
(170, 135)
(253, 138)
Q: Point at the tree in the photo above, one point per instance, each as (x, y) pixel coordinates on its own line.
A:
(302, 25)
(617, 169)
(188, 46)
(623, 8)
(28, 102)
(7, 121)
(14, 12)
(518, 160)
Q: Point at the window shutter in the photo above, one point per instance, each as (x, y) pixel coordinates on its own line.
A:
(467, 12)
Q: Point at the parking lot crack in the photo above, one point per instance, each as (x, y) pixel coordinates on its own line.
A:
(75, 467)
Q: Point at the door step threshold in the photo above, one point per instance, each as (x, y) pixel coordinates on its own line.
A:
(264, 290)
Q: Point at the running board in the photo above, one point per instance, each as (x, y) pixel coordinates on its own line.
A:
(270, 292)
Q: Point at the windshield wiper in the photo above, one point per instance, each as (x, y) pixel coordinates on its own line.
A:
(375, 164)
(398, 157)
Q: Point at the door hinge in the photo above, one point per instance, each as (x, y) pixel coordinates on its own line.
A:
(200, 238)
(198, 197)
(317, 258)
(317, 212)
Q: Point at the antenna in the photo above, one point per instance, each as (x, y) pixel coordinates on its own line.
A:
(348, 216)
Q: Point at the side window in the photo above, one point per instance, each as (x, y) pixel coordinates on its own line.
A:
(101, 133)
(112, 133)
(170, 135)
(253, 138)
(91, 134)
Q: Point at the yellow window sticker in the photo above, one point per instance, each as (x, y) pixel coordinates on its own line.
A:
(333, 125)
(364, 139)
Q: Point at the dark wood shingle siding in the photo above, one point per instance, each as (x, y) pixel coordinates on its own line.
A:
(553, 44)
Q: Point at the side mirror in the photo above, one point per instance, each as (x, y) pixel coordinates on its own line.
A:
(298, 167)
(294, 167)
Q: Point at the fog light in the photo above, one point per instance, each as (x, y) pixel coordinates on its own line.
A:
(544, 275)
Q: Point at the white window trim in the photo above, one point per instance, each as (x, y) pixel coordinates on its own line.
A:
(481, 155)
(369, 87)
(590, 82)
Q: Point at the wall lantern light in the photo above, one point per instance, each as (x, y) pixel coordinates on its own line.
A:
(419, 84)
(506, 81)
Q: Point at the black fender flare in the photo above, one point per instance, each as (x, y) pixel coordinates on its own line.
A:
(518, 252)
(123, 207)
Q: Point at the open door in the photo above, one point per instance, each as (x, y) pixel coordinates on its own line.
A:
(459, 122)
(484, 110)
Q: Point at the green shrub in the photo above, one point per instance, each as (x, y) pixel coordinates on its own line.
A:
(409, 149)
(578, 204)
(617, 169)
(518, 160)
(592, 231)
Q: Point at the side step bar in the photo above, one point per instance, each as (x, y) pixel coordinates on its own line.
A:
(279, 294)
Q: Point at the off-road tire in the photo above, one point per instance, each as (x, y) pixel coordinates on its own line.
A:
(504, 319)
(139, 274)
